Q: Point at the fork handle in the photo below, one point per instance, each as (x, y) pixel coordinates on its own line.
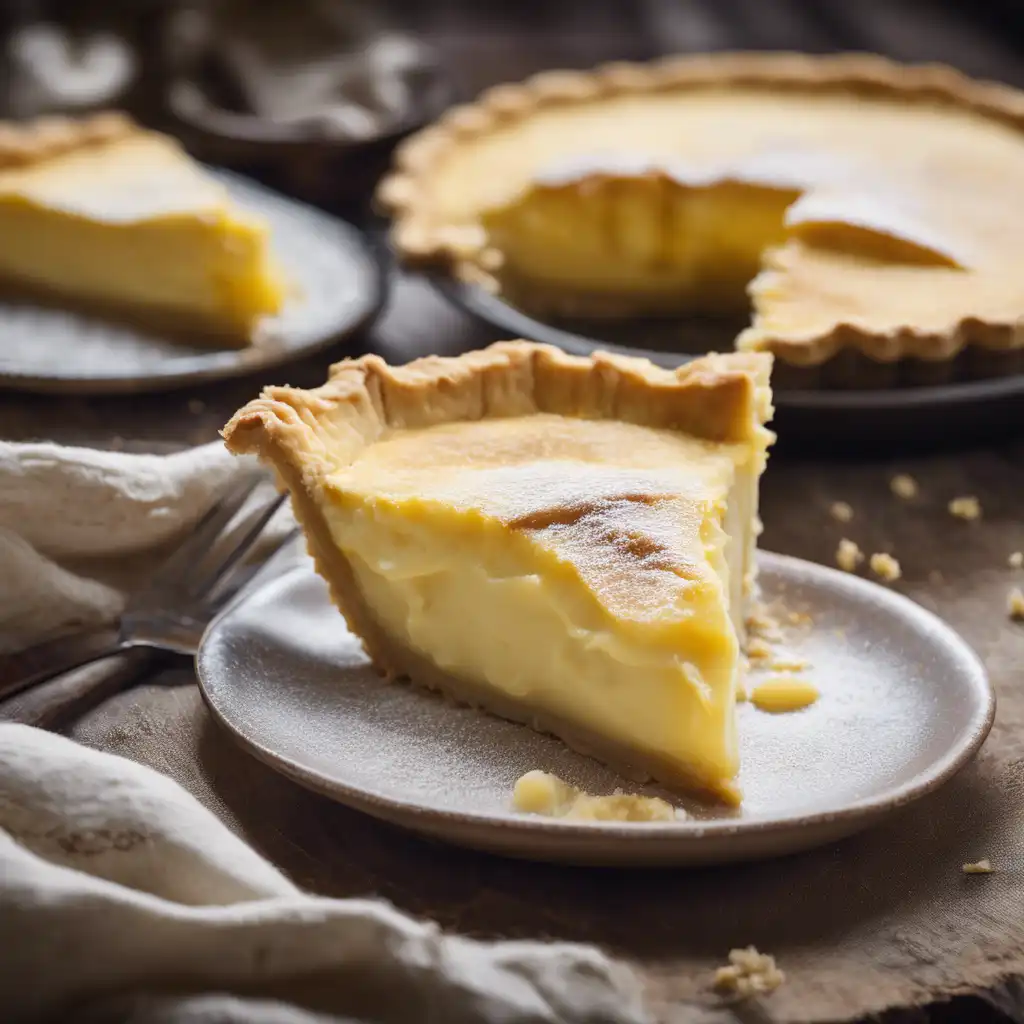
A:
(34, 665)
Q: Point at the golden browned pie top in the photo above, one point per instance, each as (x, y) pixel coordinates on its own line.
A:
(902, 236)
(611, 465)
(626, 505)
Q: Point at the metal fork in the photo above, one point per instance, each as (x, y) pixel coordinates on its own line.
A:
(173, 609)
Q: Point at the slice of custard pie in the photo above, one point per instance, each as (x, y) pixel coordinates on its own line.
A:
(562, 541)
(103, 214)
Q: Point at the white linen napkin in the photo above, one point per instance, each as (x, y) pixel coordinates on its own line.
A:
(123, 899)
(78, 524)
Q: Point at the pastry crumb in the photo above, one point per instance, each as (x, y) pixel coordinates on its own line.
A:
(196, 406)
(965, 507)
(1015, 604)
(848, 555)
(799, 619)
(981, 867)
(935, 577)
(762, 625)
(1016, 560)
(903, 486)
(749, 973)
(840, 511)
(885, 567)
(539, 792)
(758, 649)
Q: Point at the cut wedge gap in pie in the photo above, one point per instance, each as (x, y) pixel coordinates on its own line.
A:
(565, 542)
(109, 217)
(869, 210)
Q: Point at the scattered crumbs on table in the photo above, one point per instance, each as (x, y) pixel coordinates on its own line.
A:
(1015, 604)
(196, 406)
(748, 973)
(848, 555)
(965, 507)
(841, 511)
(980, 867)
(903, 486)
(1016, 559)
(885, 567)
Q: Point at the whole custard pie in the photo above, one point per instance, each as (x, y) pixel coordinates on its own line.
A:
(868, 214)
(565, 542)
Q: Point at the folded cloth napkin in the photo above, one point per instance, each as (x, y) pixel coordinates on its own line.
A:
(123, 899)
(78, 525)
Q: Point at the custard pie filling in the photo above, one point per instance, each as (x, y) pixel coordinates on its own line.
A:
(653, 661)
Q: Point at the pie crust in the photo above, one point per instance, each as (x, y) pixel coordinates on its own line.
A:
(305, 435)
(28, 142)
(847, 354)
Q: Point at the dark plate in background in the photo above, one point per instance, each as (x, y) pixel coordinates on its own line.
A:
(908, 418)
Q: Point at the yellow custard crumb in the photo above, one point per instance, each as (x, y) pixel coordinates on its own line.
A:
(749, 973)
(966, 507)
(848, 555)
(799, 619)
(840, 511)
(1015, 604)
(903, 486)
(1016, 560)
(784, 693)
(981, 867)
(539, 792)
(885, 567)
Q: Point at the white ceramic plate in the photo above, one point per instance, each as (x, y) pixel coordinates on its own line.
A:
(904, 704)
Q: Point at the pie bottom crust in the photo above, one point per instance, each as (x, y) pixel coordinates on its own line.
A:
(397, 661)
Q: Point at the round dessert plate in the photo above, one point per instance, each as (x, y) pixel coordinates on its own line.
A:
(904, 704)
(981, 408)
(337, 280)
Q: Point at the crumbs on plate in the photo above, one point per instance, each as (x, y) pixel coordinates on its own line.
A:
(540, 792)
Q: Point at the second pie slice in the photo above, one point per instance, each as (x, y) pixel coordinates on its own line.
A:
(564, 542)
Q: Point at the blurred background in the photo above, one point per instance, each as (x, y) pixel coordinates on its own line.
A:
(310, 95)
